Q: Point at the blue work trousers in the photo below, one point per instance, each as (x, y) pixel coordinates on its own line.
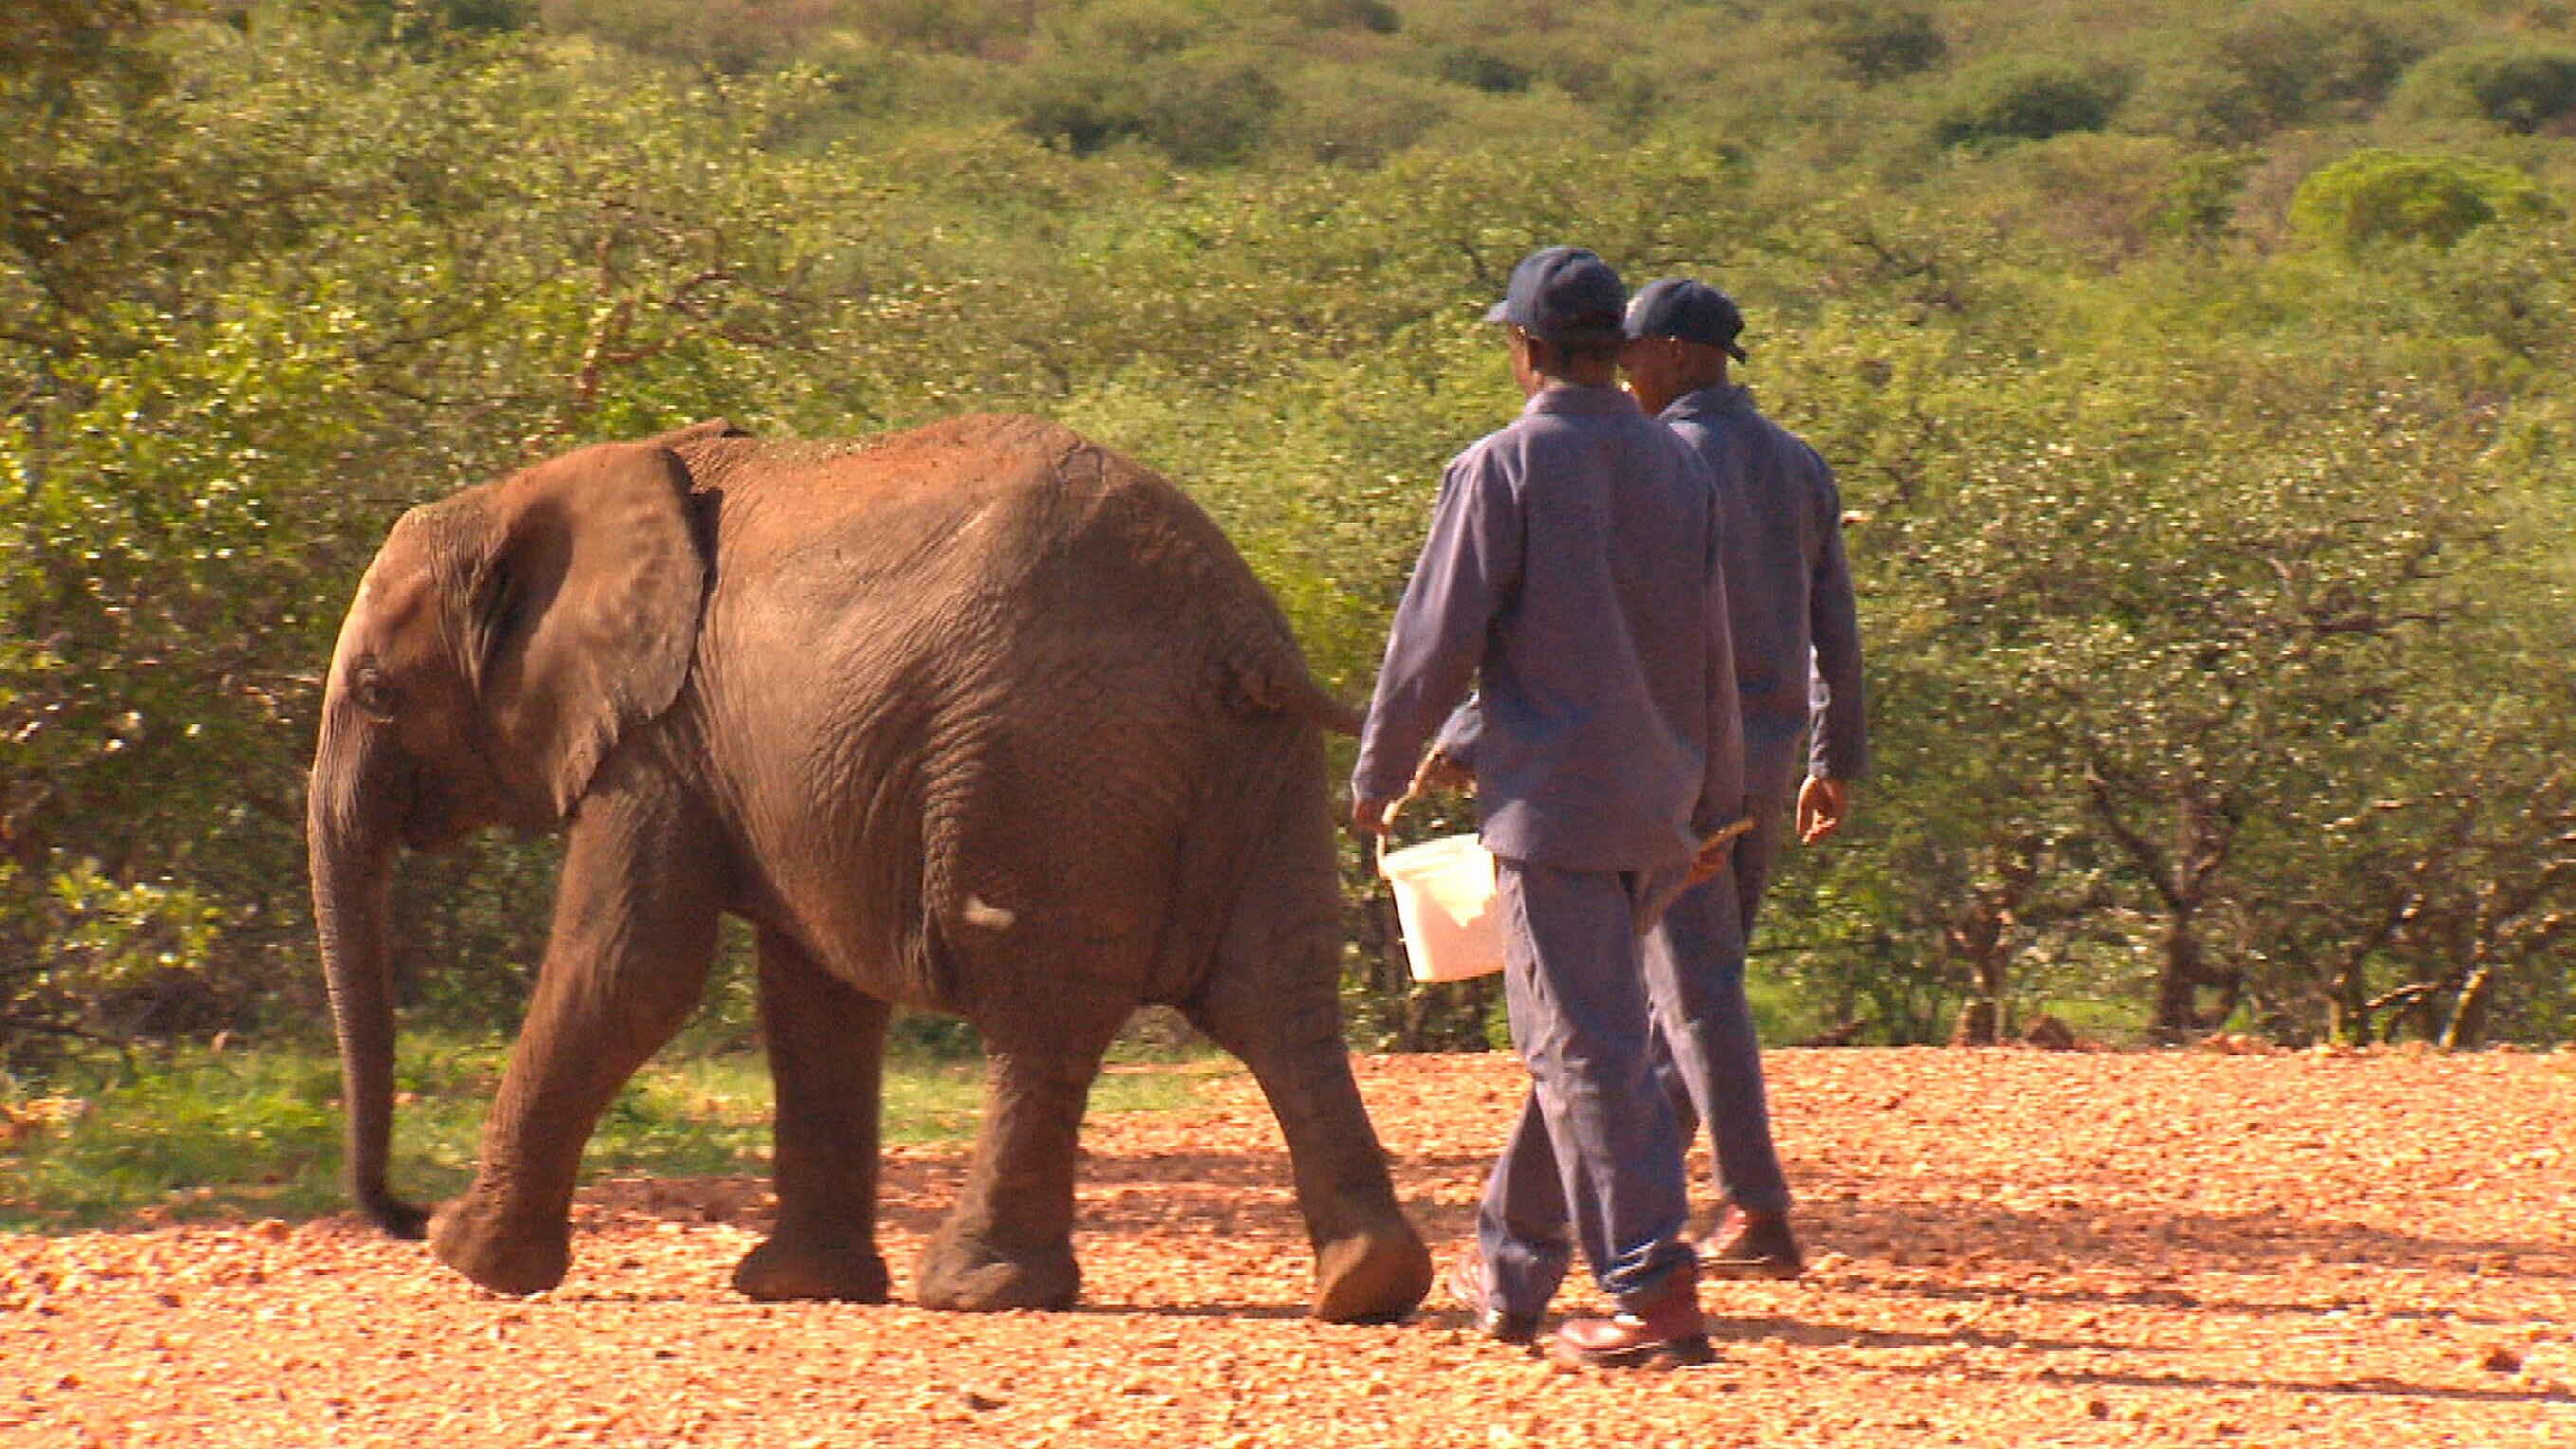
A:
(1757, 854)
(1609, 1144)
(1706, 1052)
(1713, 1071)
(1706, 1059)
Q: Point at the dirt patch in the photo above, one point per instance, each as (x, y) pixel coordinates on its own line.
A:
(2011, 1247)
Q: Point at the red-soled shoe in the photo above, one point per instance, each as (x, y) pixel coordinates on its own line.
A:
(1754, 1245)
(1667, 1333)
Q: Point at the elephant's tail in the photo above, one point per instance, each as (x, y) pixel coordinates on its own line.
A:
(1273, 680)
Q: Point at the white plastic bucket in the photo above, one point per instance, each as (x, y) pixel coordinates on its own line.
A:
(1444, 897)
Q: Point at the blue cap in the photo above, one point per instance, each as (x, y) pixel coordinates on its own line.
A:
(1691, 311)
(1564, 295)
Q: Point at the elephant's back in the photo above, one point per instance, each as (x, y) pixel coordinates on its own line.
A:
(960, 464)
(1013, 522)
(996, 654)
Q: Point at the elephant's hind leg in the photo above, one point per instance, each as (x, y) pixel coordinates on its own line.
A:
(1009, 1244)
(1371, 1265)
(826, 1046)
(1272, 1001)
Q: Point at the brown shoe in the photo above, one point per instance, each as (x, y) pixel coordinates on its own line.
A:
(1494, 1321)
(1667, 1333)
(1754, 1245)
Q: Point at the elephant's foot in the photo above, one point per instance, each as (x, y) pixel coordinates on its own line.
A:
(796, 1264)
(1375, 1275)
(392, 1216)
(475, 1239)
(964, 1273)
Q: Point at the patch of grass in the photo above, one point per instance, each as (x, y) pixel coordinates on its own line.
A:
(212, 1135)
(229, 1133)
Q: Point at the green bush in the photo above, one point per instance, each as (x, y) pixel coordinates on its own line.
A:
(1337, 114)
(1879, 42)
(420, 21)
(1197, 106)
(1483, 70)
(734, 39)
(2295, 64)
(961, 27)
(2372, 197)
(2519, 87)
(2025, 100)
(2199, 200)
(1124, 30)
(1151, 71)
(486, 17)
(1375, 16)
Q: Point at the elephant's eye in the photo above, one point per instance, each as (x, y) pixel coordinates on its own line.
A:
(375, 694)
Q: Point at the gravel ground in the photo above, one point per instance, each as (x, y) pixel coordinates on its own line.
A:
(2010, 1247)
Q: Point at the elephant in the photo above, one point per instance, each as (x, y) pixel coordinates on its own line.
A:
(980, 718)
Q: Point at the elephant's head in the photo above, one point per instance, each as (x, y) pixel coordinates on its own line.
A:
(498, 647)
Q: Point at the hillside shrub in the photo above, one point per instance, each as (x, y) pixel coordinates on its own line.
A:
(957, 27)
(2376, 196)
(737, 37)
(426, 23)
(2025, 100)
(2200, 198)
(1197, 106)
(2298, 63)
(2518, 87)
(1375, 16)
(1480, 69)
(1340, 115)
(1879, 42)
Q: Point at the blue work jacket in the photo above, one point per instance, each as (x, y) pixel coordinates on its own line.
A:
(1788, 591)
(1574, 568)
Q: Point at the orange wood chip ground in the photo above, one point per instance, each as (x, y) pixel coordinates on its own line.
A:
(2010, 1247)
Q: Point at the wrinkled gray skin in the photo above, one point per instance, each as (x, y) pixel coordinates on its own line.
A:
(979, 719)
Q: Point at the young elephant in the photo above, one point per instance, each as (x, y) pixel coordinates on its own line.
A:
(979, 718)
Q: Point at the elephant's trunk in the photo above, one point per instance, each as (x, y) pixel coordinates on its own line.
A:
(350, 837)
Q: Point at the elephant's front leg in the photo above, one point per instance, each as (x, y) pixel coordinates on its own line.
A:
(826, 1057)
(1009, 1244)
(634, 934)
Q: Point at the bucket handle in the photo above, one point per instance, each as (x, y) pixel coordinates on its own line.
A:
(1704, 861)
(1412, 792)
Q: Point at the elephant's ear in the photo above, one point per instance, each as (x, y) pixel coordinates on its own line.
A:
(585, 612)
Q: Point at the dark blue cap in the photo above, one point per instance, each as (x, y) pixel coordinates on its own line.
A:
(1691, 311)
(1564, 295)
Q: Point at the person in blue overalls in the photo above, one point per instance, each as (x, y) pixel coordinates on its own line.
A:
(1797, 661)
(1797, 670)
(1574, 568)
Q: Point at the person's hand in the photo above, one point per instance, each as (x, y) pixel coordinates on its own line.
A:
(1823, 804)
(1715, 853)
(1370, 815)
(1439, 772)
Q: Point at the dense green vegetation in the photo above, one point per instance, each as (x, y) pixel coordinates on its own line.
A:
(2196, 374)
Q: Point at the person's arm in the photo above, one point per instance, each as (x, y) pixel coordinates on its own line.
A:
(1470, 563)
(1452, 764)
(1721, 800)
(1837, 717)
